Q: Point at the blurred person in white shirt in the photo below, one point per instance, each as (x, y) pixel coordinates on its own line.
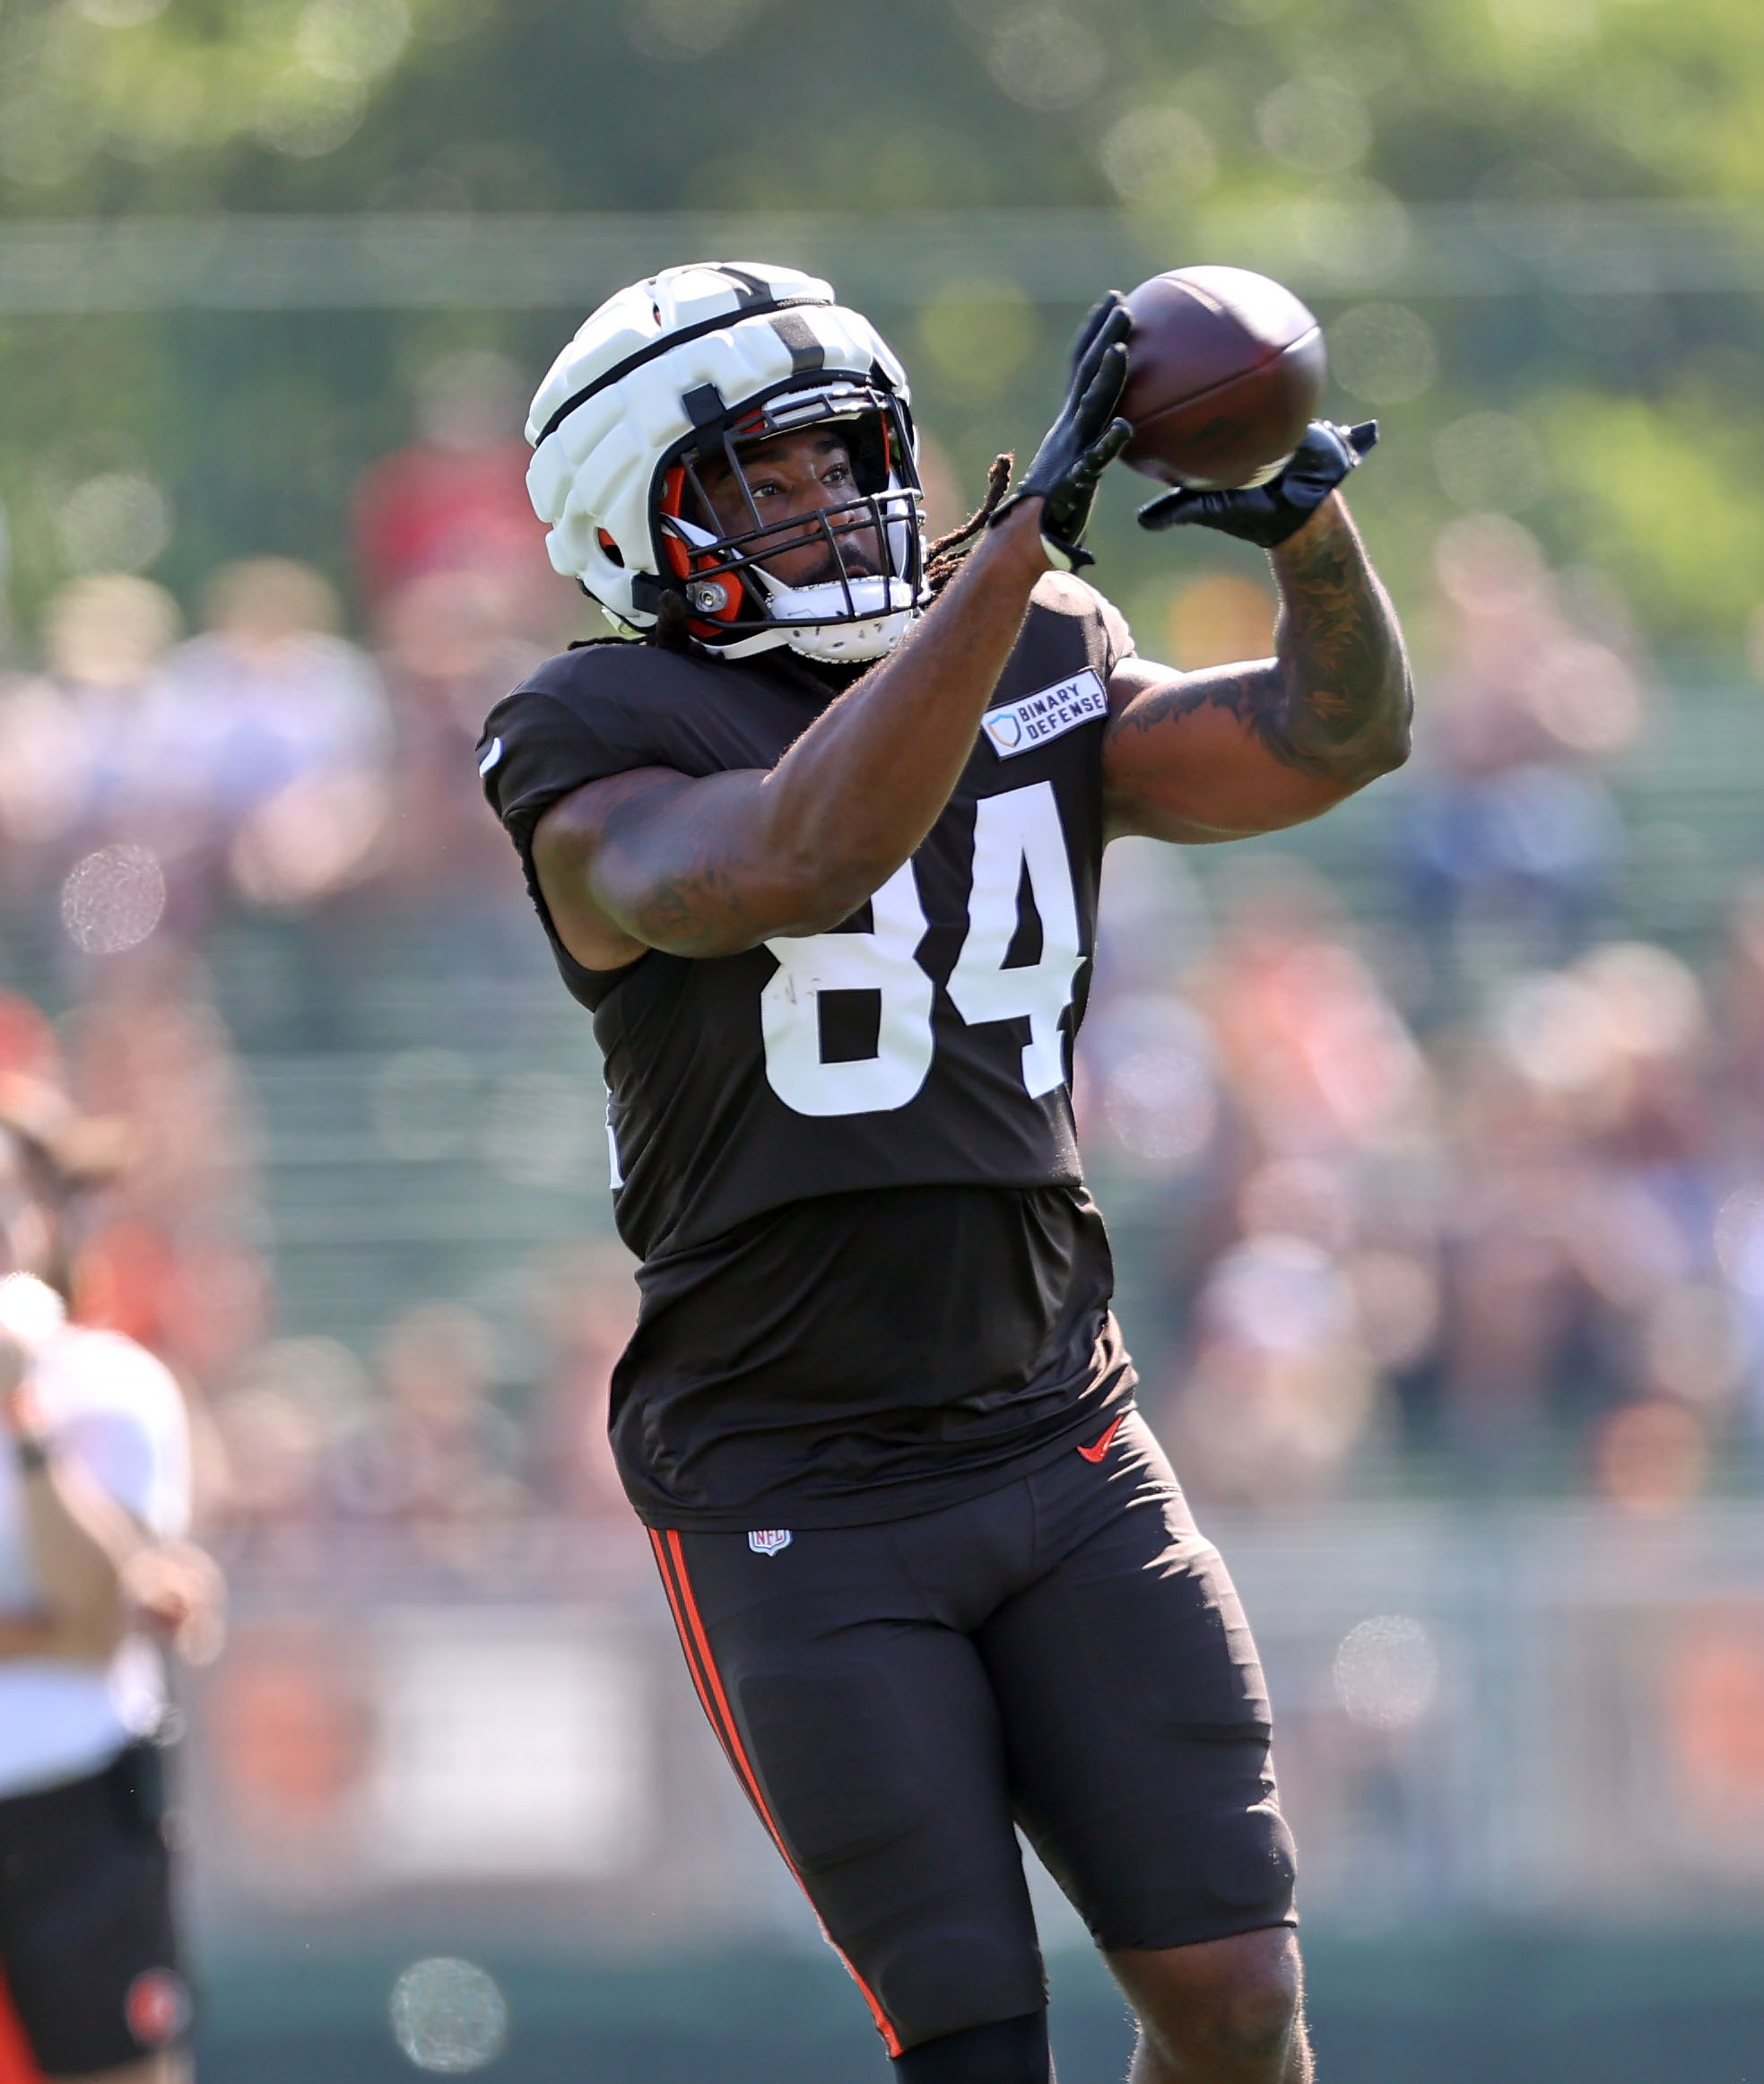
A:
(94, 1501)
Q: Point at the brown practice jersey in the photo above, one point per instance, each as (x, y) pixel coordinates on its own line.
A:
(873, 1282)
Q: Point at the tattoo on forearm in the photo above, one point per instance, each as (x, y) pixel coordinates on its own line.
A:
(682, 911)
(1337, 698)
(1340, 652)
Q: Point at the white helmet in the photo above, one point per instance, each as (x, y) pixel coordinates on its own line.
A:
(678, 370)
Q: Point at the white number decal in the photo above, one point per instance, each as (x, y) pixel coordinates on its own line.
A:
(1017, 831)
(1020, 830)
(615, 1169)
(879, 961)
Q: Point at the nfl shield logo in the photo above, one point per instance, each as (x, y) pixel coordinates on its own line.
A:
(768, 1541)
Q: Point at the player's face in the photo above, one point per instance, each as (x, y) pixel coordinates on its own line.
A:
(792, 475)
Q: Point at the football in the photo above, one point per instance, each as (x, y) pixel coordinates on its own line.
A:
(1225, 371)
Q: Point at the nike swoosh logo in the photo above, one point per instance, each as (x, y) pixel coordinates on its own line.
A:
(1098, 1449)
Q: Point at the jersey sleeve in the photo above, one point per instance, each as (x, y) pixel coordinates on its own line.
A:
(1103, 628)
(536, 748)
(579, 719)
(1117, 638)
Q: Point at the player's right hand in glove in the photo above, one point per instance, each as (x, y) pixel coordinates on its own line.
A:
(1268, 514)
(1083, 441)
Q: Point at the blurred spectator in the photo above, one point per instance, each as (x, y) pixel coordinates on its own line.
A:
(89, 749)
(1511, 835)
(456, 499)
(585, 1298)
(1318, 1057)
(1537, 1228)
(1650, 1457)
(171, 1256)
(95, 1472)
(447, 654)
(1581, 1220)
(1740, 1029)
(1277, 1089)
(94, 1500)
(283, 728)
(279, 1427)
(434, 1452)
(1280, 1388)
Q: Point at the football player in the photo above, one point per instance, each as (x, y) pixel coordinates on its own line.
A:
(817, 840)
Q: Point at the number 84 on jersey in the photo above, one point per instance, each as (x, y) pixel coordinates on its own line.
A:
(1016, 834)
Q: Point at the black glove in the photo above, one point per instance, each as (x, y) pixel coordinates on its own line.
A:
(1268, 514)
(1083, 441)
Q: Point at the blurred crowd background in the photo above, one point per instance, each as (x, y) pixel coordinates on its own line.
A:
(1434, 1162)
(1431, 1137)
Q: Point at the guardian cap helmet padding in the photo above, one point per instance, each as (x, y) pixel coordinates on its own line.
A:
(677, 372)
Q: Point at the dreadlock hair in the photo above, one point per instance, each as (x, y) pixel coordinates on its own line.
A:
(668, 632)
(950, 552)
(672, 631)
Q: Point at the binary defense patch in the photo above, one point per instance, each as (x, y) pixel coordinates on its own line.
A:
(1021, 725)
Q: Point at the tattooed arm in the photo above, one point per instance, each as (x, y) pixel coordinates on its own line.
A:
(656, 859)
(706, 867)
(1244, 749)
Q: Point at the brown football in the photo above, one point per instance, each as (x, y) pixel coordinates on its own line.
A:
(1225, 371)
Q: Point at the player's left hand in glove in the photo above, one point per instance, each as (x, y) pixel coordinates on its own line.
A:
(1268, 514)
(1083, 441)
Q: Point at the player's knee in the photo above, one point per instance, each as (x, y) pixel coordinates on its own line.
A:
(1253, 2010)
(1231, 2003)
(1010, 2050)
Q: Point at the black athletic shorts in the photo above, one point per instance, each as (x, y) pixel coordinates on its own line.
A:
(1065, 1653)
(86, 1940)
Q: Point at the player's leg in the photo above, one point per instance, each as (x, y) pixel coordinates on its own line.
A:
(86, 1936)
(858, 1718)
(1227, 2012)
(1137, 1731)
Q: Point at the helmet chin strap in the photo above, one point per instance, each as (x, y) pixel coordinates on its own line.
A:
(815, 616)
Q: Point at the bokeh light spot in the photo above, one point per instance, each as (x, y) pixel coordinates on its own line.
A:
(1047, 59)
(119, 13)
(1220, 618)
(677, 31)
(979, 334)
(1317, 125)
(448, 2016)
(1386, 1671)
(118, 521)
(112, 899)
(1489, 462)
(1353, 230)
(305, 114)
(31, 1311)
(351, 39)
(1158, 155)
(1385, 353)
